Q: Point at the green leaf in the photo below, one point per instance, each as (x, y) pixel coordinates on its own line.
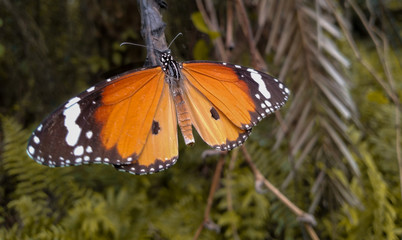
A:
(201, 50)
(199, 23)
(2, 50)
(117, 59)
(377, 97)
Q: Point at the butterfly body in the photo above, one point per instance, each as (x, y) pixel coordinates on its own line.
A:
(173, 77)
(130, 120)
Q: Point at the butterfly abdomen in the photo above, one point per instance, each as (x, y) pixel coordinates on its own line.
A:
(183, 115)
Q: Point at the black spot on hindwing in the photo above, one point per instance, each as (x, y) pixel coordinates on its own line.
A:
(214, 113)
(155, 127)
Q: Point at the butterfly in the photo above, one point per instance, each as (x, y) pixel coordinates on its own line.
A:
(130, 120)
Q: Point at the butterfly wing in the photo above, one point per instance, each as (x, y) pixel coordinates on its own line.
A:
(161, 148)
(227, 100)
(108, 123)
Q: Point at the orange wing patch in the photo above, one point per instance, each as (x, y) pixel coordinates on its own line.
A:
(128, 108)
(212, 124)
(220, 85)
(161, 147)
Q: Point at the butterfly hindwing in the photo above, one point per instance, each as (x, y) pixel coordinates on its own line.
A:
(98, 125)
(161, 147)
(211, 123)
(238, 95)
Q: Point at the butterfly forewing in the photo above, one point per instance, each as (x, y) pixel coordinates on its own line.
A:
(221, 86)
(108, 123)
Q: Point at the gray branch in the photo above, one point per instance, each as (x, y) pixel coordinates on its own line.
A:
(152, 29)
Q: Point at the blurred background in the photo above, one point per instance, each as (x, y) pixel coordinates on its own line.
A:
(334, 150)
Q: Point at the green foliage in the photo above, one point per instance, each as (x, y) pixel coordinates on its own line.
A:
(199, 23)
(249, 212)
(90, 202)
(376, 217)
(2, 50)
(201, 50)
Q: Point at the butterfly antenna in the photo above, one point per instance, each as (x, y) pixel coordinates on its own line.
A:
(141, 45)
(179, 34)
(134, 44)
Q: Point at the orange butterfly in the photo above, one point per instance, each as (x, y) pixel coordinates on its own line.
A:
(130, 120)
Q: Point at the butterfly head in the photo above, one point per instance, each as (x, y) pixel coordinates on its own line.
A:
(169, 65)
(165, 56)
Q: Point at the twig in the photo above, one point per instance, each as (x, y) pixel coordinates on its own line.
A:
(391, 80)
(152, 30)
(212, 23)
(356, 52)
(229, 189)
(306, 218)
(229, 26)
(258, 61)
(214, 186)
(398, 142)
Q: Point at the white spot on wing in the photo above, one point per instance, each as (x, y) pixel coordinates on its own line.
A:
(90, 89)
(73, 130)
(72, 101)
(88, 149)
(262, 88)
(39, 128)
(31, 150)
(36, 139)
(89, 134)
(79, 150)
(237, 66)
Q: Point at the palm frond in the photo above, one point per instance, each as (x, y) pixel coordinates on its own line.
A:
(321, 106)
